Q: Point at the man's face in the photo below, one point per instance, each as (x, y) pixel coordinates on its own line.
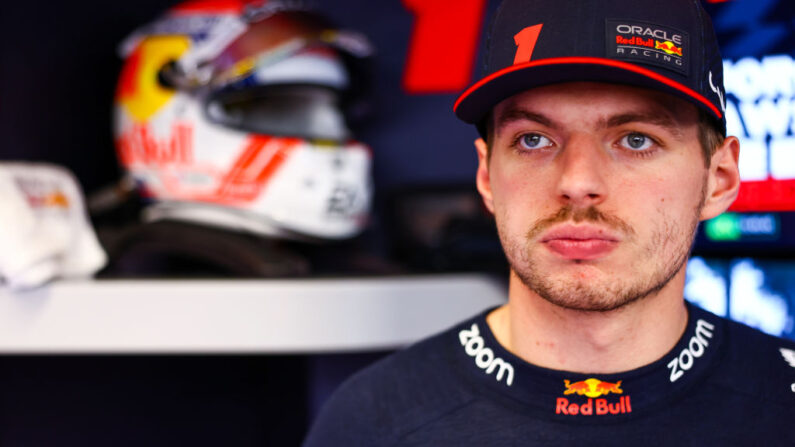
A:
(597, 190)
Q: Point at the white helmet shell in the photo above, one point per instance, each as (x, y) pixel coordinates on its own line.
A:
(249, 134)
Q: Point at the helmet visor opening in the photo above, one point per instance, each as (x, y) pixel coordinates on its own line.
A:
(306, 111)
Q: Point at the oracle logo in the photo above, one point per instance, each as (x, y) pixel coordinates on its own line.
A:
(651, 32)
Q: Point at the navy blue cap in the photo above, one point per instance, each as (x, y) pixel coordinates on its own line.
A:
(668, 46)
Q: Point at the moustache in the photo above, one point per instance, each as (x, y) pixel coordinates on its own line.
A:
(590, 214)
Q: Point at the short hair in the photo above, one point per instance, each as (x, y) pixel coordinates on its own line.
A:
(710, 137)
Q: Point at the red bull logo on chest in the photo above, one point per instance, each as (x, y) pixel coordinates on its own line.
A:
(593, 389)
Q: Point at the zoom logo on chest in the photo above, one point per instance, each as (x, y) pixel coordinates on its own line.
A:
(695, 348)
(475, 346)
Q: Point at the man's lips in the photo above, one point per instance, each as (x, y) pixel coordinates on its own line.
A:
(580, 242)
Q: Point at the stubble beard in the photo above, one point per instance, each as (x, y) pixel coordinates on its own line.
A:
(668, 249)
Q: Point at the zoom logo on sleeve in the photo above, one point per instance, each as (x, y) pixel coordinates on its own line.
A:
(475, 346)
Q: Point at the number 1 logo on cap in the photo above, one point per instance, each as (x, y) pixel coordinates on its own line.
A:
(525, 43)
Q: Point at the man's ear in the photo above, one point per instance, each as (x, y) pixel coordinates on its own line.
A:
(723, 181)
(483, 181)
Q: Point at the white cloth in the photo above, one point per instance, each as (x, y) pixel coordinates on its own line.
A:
(44, 229)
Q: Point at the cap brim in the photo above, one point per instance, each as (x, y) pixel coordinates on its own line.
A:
(474, 104)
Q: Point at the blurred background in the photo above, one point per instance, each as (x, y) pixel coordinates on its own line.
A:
(59, 67)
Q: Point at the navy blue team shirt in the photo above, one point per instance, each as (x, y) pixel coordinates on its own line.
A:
(723, 384)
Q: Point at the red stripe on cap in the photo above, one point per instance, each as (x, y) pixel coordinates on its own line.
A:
(591, 61)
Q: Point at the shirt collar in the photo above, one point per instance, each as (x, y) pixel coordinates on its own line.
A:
(561, 394)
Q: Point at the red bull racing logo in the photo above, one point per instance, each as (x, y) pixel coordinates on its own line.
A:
(648, 43)
(593, 389)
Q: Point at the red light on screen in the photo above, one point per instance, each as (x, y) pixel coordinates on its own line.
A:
(767, 195)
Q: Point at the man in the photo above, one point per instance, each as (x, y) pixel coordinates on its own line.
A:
(603, 147)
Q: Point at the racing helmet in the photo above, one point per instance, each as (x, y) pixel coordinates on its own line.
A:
(234, 114)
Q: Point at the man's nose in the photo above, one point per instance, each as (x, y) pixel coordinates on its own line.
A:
(582, 172)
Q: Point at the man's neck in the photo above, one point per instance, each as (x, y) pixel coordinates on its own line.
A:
(550, 336)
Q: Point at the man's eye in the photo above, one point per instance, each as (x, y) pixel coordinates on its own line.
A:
(533, 141)
(637, 142)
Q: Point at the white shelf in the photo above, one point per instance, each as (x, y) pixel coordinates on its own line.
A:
(240, 316)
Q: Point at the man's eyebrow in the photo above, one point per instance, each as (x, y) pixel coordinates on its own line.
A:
(658, 119)
(514, 115)
(664, 120)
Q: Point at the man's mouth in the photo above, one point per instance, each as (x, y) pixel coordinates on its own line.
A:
(580, 242)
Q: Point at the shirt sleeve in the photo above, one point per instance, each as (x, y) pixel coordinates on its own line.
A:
(349, 418)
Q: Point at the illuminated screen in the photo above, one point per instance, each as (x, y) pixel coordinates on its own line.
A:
(756, 39)
(744, 266)
(758, 293)
(760, 113)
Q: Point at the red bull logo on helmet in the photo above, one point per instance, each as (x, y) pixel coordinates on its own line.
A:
(593, 389)
(139, 144)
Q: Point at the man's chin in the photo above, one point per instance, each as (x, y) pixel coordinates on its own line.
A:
(588, 303)
(586, 294)
(585, 302)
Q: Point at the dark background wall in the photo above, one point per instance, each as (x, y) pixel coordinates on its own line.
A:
(58, 69)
